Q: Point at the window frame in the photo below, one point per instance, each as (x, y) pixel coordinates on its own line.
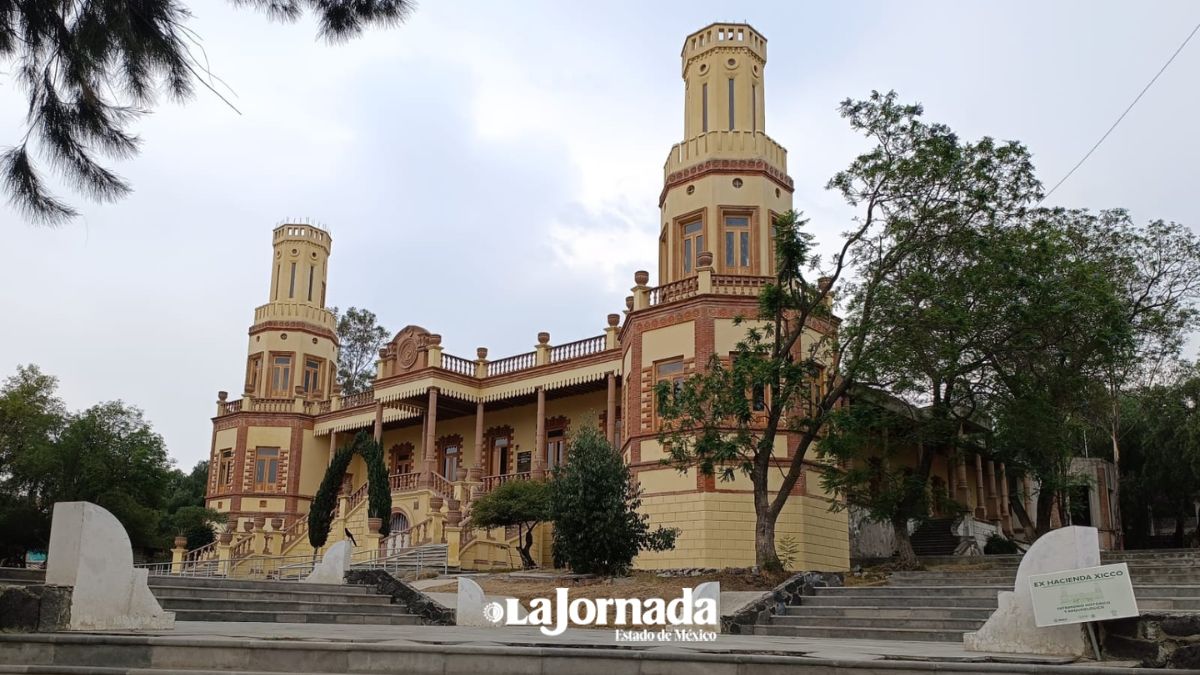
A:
(287, 391)
(699, 240)
(675, 379)
(318, 390)
(266, 465)
(253, 371)
(751, 216)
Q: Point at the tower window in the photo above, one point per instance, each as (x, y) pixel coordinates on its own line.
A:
(312, 272)
(672, 373)
(736, 229)
(731, 104)
(312, 376)
(225, 469)
(704, 107)
(253, 365)
(281, 375)
(266, 469)
(754, 107)
(292, 283)
(692, 244)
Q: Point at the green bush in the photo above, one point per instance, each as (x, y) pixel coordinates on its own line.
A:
(379, 494)
(593, 502)
(518, 503)
(999, 545)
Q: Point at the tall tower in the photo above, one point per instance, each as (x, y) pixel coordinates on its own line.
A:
(727, 180)
(293, 344)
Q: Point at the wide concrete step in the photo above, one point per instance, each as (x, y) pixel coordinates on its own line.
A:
(177, 604)
(890, 613)
(848, 632)
(283, 596)
(255, 585)
(894, 601)
(936, 591)
(962, 625)
(345, 617)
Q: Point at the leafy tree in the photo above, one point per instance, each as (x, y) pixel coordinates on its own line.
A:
(871, 448)
(184, 513)
(360, 338)
(517, 503)
(91, 68)
(379, 493)
(917, 185)
(1162, 450)
(594, 505)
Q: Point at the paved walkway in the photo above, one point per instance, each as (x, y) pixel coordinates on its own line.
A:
(833, 649)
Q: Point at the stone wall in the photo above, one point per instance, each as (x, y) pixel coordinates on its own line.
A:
(34, 608)
(432, 613)
(787, 593)
(1158, 640)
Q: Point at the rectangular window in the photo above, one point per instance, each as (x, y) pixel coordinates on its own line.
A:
(253, 366)
(281, 376)
(312, 377)
(276, 289)
(731, 104)
(499, 455)
(737, 244)
(555, 447)
(704, 107)
(312, 272)
(292, 283)
(266, 469)
(225, 470)
(692, 238)
(754, 107)
(450, 462)
(671, 372)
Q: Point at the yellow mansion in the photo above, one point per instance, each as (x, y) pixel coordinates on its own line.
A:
(455, 427)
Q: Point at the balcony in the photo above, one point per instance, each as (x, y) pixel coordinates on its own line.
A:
(731, 145)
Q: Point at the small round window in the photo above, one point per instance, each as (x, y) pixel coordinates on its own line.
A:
(691, 189)
(737, 182)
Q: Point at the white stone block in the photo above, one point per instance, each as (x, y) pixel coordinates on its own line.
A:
(709, 590)
(90, 551)
(468, 608)
(1012, 628)
(333, 565)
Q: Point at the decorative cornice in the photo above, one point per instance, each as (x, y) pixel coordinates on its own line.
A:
(725, 166)
(298, 326)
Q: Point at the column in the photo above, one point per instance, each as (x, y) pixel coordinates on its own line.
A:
(980, 495)
(378, 421)
(332, 447)
(539, 447)
(1005, 516)
(951, 478)
(610, 420)
(476, 471)
(993, 494)
(964, 488)
(430, 439)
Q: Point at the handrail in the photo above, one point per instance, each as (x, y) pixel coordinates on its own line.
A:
(578, 349)
(442, 486)
(457, 364)
(356, 497)
(355, 400)
(294, 531)
(736, 284)
(241, 547)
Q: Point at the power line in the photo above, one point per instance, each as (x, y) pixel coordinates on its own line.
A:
(1114, 124)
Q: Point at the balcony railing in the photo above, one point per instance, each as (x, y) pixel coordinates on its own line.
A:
(457, 364)
(442, 486)
(676, 290)
(355, 400)
(492, 482)
(512, 364)
(356, 497)
(295, 531)
(732, 284)
(577, 349)
(400, 482)
(230, 407)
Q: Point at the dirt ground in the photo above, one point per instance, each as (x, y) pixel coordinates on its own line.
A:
(636, 585)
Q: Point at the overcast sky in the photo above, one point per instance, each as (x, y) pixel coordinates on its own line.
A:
(491, 170)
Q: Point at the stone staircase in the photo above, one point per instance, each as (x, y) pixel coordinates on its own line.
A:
(941, 604)
(216, 599)
(935, 538)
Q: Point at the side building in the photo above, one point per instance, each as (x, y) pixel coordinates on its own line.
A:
(454, 428)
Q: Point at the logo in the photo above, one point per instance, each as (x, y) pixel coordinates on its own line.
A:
(692, 617)
(493, 612)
